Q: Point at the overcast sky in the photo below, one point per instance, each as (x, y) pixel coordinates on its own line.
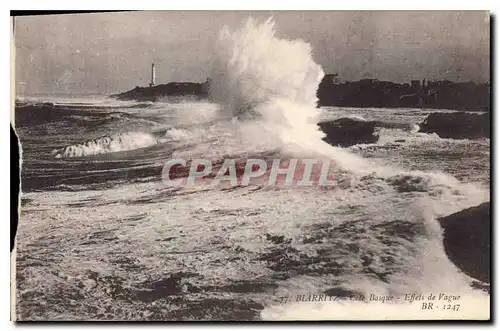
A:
(112, 52)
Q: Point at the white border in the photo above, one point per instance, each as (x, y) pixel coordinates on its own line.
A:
(257, 5)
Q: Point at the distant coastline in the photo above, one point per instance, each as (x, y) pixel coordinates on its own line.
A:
(363, 93)
(157, 92)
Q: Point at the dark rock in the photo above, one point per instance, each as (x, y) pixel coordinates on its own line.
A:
(346, 132)
(467, 240)
(481, 286)
(419, 94)
(457, 125)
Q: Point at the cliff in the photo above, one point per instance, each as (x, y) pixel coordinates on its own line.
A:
(346, 132)
(364, 93)
(426, 94)
(467, 236)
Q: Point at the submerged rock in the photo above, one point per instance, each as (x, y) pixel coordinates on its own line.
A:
(346, 132)
(457, 125)
(467, 240)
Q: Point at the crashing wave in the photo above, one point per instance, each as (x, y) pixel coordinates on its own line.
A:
(255, 78)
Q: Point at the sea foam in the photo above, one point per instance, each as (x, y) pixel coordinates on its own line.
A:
(109, 144)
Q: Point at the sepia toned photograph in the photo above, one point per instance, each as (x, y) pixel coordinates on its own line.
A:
(252, 166)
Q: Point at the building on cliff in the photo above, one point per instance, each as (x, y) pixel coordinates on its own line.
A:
(363, 93)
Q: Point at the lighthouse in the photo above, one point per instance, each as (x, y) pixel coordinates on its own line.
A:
(153, 75)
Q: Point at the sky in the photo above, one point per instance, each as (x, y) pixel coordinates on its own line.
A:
(112, 52)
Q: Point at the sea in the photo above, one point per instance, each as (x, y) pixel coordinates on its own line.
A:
(102, 237)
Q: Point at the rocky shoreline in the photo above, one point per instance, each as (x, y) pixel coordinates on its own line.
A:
(345, 132)
(458, 125)
(465, 96)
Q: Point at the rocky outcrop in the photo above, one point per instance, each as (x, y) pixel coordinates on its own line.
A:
(418, 94)
(457, 125)
(154, 93)
(467, 240)
(346, 132)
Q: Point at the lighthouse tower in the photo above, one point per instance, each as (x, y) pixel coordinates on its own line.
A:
(153, 75)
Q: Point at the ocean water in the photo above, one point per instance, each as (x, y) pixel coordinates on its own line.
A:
(102, 237)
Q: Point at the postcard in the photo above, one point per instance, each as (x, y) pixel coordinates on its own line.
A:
(252, 166)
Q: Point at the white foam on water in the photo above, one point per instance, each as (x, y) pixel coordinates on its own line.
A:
(109, 144)
(261, 78)
(266, 90)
